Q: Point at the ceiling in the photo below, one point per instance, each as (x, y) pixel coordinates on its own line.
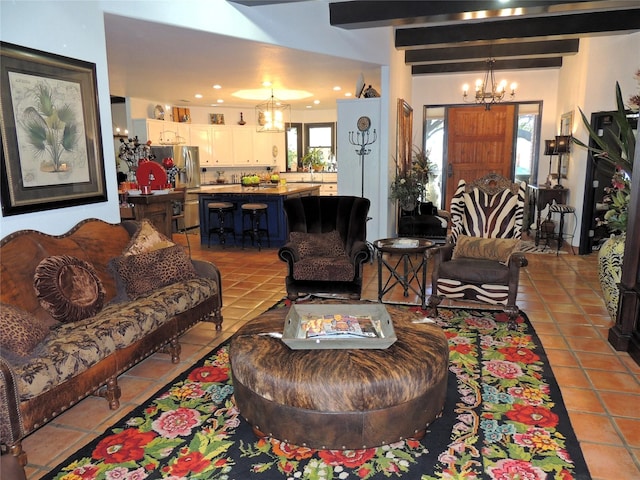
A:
(459, 36)
(436, 36)
(172, 64)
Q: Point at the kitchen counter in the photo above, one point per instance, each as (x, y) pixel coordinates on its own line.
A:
(267, 189)
(272, 195)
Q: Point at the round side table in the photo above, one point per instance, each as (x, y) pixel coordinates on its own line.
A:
(411, 266)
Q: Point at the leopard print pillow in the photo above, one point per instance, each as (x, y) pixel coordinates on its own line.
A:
(143, 273)
(20, 333)
(318, 244)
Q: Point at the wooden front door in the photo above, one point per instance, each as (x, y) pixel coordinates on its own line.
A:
(479, 141)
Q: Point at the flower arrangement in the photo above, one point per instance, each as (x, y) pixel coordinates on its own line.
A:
(617, 198)
(408, 187)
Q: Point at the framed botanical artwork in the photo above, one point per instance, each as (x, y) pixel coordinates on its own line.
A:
(216, 118)
(49, 126)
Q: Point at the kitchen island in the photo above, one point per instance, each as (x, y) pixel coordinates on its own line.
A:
(273, 195)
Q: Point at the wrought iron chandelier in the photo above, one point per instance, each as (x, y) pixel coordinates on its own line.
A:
(488, 91)
(272, 115)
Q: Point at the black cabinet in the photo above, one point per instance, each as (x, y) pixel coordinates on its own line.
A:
(597, 177)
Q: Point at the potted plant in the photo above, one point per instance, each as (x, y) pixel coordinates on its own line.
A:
(313, 160)
(617, 196)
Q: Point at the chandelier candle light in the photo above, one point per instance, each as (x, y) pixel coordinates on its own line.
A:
(488, 91)
(272, 115)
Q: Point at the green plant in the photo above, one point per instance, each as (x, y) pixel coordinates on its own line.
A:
(50, 129)
(313, 158)
(623, 151)
(409, 187)
(620, 154)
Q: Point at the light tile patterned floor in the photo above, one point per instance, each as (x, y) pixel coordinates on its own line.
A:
(560, 294)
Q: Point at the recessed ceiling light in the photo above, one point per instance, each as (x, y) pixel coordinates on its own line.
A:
(198, 95)
(347, 94)
(217, 87)
(316, 102)
(266, 83)
(337, 88)
(220, 100)
(309, 106)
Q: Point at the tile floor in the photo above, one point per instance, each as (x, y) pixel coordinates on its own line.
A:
(560, 294)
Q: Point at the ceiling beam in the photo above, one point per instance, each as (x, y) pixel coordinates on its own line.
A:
(376, 13)
(480, 66)
(526, 28)
(501, 50)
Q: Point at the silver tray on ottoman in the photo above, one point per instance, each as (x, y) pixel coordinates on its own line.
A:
(357, 326)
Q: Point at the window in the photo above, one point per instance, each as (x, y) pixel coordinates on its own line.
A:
(320, 136)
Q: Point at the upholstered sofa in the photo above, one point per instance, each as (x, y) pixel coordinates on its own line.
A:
(81, 308)
(326, 245)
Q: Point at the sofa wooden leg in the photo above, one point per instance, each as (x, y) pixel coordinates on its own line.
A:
(512, 311)
(13, 462)
(215, 318)
(175, 349)
(111, 391)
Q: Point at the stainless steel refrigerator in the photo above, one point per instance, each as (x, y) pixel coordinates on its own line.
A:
(187, 160)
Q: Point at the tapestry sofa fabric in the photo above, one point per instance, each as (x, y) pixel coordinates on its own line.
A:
(72, 348)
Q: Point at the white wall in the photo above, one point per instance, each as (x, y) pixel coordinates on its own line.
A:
(76, 30)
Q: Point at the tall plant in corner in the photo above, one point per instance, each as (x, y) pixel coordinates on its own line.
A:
(620, 154)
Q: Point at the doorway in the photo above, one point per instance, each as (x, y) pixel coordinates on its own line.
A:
(467, 142)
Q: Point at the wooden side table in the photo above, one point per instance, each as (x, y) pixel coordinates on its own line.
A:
(158, 209)
(540, 197)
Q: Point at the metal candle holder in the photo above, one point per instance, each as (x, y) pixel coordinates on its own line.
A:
(362, 140)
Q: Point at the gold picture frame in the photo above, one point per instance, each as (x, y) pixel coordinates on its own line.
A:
(51, 139)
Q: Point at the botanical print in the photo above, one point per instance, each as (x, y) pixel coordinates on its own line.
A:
(50, 130)
(502, 421)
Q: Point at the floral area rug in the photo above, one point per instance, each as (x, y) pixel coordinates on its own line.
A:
(504, 419)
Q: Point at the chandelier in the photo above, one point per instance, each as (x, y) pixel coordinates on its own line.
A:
(272, 115)
(488, 91)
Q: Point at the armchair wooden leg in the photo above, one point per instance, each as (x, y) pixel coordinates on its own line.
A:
(512, 312)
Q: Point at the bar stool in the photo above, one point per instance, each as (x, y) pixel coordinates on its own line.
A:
(255, 211)
(562, 210)
(218, 211)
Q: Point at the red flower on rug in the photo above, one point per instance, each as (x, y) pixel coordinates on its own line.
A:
(530, 415)
(209, 374)
(126, 446)
(192, 462)
(519, 354)
(348, 458)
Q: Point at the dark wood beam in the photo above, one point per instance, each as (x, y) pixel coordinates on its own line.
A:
(526, 28)
(501, 50)
(481, 66)
(376, 13)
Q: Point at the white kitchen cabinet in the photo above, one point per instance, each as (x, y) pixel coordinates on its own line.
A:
(161, 132)
(200, 136)
(221, 146)
(243, 147)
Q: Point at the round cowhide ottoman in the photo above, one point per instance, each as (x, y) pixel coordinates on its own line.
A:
(341, 399)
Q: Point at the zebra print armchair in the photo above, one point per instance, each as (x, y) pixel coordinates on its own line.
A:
(481, 262)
